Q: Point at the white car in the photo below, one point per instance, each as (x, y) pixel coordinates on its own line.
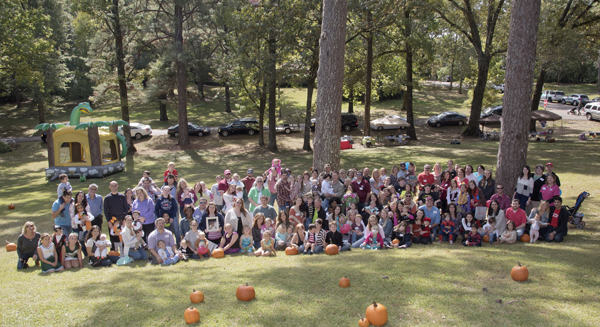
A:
(138, 130)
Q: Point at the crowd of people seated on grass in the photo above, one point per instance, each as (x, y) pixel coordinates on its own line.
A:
(352, 209)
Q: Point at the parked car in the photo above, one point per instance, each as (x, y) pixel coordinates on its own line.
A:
(552, 95)
(576, 99)
(499, 88)
(193, 129)
(389, 122)
(349, 121)
(138, 130)
(240, 126)
(447, 118)
(448, 78)
(595, 99)
(592, 110)
(490, 111)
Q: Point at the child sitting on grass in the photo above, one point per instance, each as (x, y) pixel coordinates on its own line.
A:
(246, 241)
(402, 234)
(447, 229)
(267, 246)
(228, 240)
(311, 239)
(510, 234)
(474, 238)
(489, 229)
(166, 254)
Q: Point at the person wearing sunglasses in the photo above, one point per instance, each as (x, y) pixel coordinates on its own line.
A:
(27, 245)
(426, 177)
(503, 199)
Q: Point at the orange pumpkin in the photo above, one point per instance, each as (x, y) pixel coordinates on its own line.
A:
(396, 241)
(331, 249)
(10, 247)
(218, 253)
(486, 238)
(191, 315)
(344, 282)
(245, 293)
(377, 314)
(525, 238)
(113, 254)
(364, 322)
(519, 273)
(290, 250)
(11, 207)
(196, 296)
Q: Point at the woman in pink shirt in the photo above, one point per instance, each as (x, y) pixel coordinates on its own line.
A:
(550, 190)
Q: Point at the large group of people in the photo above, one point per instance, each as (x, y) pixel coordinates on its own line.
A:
(173, 220)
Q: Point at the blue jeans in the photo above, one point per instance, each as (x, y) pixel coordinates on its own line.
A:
(558, 237)
(359, 242)
(140, 254)
(493, 237)
(318, 249)
(286, 205)
(67, 230)
(175, 230)
(25, 257)
(346, 247)
(170, 261)
(273, 198)
(105, 263)
(256, 245)
(301, 248)
(434, 232)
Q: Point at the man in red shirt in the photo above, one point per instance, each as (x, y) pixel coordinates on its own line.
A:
(518, 216)
(224, 183)
(425, 177)
(362, 188)
(557, 228)
(248, 183)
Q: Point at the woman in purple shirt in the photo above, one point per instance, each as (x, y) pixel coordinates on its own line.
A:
(145, 206)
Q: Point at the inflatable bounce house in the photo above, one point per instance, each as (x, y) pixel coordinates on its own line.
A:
(83, 150)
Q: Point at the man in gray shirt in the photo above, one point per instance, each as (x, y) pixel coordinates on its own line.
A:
(265, 208)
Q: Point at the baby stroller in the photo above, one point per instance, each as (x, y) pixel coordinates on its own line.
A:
(577, 217)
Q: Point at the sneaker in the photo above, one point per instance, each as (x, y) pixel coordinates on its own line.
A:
(450, 242)
(25, 266)
(305, 252)
(439, 241)
(310, 252)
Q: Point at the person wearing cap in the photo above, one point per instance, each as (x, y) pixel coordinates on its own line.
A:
(362, 188)
(550, 168)
(248, 183)
(256, 193)
(265, 208)
(224, 183)
(433, 213)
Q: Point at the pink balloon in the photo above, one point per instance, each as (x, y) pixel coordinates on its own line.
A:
(345, 229)
(202, 250)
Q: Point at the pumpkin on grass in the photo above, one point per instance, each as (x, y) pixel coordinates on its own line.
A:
(377, 314)
(11, 206)
(113, 254)
(245, 293)
(331, 249)
(519, 273)
(10, 246)
(218, 253)
(396, 241)
(196, 296)
(191, 315)
(344, 282)
(525, 238)
(486, 238)
(363, 322)
(290, 250)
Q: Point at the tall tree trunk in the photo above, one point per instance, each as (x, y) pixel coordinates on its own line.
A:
(227, 98)
(41, 110)
(272, 79)
(369, 75)
(184, 138)
(520, 63)
(537, 95)
(261, 113)
(94, 144)
(50, 144)
(16, 91)
(120, 60)
(598, 82)
(330, 86)
(408, 95)
(452, 70)
(162, 104)
(309, 96)
(201, 90)
(483, 67)
(351, 100)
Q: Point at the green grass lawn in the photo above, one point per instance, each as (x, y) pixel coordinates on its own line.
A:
(426, 285)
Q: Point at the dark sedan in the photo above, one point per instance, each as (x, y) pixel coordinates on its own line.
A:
(490, 111)
(240, 126)
(447, 118)
(193, 129)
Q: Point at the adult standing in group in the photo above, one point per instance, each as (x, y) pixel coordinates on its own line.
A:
(132, 242)
(503, 199)
(538, 181)
(79, 198)
(161, 234)
(115, 204)
(27, 244)
(283, 193)
(213, 235)
(549, 190)
(224, 184)
(130, 198)
(256, 193)
(550, 168)
(248, 182)
(202, 191)
(145, 206)
(557, 227)
(90, 244)
(265, 208)
(487, 184)
(61, 213)
(433, 213)
(151, 190)
(95, 202)
(320, 212)
(495, 212)
(338, 188)
(524, 188)
(172, 184)
(469, 174)
(518, 216)
(181, 186)
(375, 182)
(199, 211)
(272, 179)
(166, 204)
(218, 197)
(426, 177)
(238, 218)
(362, 188)
(451, 169)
